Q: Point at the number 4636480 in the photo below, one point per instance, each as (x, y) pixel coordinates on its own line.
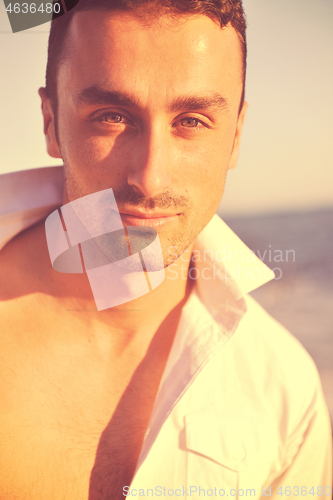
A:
(32, 8)
(303, 491)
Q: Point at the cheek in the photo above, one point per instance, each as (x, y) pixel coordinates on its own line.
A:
(81, 148)
(204, 166)
(92, 160)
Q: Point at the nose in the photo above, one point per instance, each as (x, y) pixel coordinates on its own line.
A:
(150, 171)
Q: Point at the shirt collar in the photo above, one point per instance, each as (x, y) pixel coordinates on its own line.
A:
(27, 197)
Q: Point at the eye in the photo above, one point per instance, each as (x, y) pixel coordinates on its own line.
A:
(190, 122)
(110, 118)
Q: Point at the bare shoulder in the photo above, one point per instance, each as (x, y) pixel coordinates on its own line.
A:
(21, 299)
(20, 261)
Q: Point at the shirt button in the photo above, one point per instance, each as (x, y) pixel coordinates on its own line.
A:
(239, 453)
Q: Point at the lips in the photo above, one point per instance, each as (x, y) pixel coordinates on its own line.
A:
(145, 219)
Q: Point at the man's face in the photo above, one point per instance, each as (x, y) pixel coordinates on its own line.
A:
(151, 111)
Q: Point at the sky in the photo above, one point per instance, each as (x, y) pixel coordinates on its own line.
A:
(286, 160)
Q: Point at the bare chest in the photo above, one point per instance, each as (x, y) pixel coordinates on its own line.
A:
(71, 433)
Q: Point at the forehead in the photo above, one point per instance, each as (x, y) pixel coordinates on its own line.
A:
(158, 57)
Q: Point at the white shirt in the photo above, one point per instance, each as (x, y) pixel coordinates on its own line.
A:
(240, 410)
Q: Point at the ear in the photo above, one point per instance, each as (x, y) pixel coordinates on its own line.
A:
(235, 150)
(49, 126)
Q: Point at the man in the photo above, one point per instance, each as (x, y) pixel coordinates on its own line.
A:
(191, 389)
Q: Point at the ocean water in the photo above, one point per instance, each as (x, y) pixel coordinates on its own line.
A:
(299, 246)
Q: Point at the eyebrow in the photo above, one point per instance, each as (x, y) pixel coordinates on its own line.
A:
(95, 95)
(213, 101)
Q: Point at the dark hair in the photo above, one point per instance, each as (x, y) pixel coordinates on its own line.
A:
(222, 11)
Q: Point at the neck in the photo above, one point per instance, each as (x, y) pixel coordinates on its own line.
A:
(137, 318)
